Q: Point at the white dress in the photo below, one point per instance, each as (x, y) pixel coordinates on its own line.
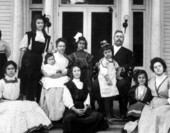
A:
(18, 116)
(107, 67)
(52, 99)
(49, 82)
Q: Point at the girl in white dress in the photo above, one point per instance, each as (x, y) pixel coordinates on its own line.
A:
(107, 79)
(18, 116)
(51, 95)
(52, 71)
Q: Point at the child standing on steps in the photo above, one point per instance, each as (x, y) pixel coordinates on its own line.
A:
(107, 80)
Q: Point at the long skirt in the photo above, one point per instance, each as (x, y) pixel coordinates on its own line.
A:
(22, 117)
(135, 110)
(51, 102)
(155, 118)
(90, 122)
(30, 75)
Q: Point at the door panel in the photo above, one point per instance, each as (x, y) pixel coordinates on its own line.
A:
(94, 23)
(101, 30)
(72, 23)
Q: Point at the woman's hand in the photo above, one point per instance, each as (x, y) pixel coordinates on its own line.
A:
(78, 111)
(85, 108)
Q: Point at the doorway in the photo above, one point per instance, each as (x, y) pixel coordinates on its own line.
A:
(95, 24)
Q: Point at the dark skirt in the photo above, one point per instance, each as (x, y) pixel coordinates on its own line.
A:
(30, 75)
(3, 60)
(90, 122)
(135, 110)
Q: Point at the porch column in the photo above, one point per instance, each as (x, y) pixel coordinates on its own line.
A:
(48, 10)
(125, 10)
(155, 29)
(17, 29)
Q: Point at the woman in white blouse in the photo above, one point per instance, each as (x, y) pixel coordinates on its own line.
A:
(18, 116)
(79, 117)
(155, 118)
(32, 47)
(52, 93)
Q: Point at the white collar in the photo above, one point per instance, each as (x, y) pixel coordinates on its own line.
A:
(76, 80)
(116, 48)
(78, 83)
(10, 78)
(39, 36)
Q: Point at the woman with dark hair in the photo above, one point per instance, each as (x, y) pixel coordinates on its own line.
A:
(4, 54)
(79, 117)
(32, 47)
(84, 59)
(18, 116)
(155, 116)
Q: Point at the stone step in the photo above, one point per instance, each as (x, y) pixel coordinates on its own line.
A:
(115, 127)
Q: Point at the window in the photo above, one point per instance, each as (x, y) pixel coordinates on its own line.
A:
(36, 9)
(91, 2)
(35, 14)
(138, 38)
(138, 30)
(37, 1)
(138, 2)
(70, 29)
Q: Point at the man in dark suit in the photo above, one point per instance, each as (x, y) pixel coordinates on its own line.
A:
(124, 58)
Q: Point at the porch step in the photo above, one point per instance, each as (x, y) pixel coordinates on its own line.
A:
(115, 127)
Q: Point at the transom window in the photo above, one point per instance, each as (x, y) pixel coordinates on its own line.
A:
(138, 2)
(37, 1)
(90, 2)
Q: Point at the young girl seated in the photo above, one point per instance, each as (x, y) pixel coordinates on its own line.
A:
(107, 80)
(52, 73)
(18, 116)
(79, 117)
(139, 96)
(52, 91)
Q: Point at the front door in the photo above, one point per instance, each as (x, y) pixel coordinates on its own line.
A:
(94, 23)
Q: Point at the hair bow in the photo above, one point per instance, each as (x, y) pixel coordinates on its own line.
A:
(104, 43)
(76, 37)
(46, 21)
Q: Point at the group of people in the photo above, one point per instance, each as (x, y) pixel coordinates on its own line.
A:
(149, 100)
(64, 87)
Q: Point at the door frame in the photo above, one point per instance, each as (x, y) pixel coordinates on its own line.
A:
(87, 20)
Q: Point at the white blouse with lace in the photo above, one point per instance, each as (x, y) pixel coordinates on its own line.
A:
(9, 88)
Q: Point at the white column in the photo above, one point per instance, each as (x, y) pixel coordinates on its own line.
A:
(125, 10)
(155, 29)
(48, 10)
(17, 29)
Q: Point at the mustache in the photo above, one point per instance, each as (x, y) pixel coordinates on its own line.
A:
(118, 40)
